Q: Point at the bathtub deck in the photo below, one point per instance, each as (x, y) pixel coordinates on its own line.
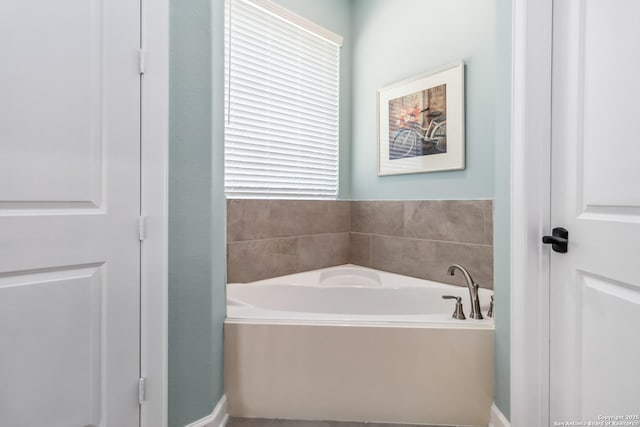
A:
(261, 422)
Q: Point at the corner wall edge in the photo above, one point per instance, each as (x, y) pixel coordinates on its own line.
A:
(217, 418)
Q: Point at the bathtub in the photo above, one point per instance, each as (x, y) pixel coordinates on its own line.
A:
(350, 343)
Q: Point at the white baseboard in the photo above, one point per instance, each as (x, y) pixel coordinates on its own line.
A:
(497, 418)
(217, 418)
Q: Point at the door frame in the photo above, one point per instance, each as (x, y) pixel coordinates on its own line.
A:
(532, 24)
(154, 143)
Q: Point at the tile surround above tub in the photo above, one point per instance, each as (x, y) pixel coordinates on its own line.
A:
(465, 221)
(270, 238)
(422, 238)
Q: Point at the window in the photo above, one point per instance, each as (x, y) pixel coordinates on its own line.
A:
(281, 103)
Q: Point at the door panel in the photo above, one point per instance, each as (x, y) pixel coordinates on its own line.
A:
(59, 317)
(69, 206)
(610, 103)
(609, 312)
(52, 72)
(595, 287)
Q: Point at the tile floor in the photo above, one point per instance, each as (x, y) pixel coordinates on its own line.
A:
(260, 422)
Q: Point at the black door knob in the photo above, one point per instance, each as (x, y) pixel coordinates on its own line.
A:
(559, 240)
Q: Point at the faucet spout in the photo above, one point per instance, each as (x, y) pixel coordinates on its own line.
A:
(473, 290)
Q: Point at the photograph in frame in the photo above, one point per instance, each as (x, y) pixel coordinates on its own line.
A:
(421, 123)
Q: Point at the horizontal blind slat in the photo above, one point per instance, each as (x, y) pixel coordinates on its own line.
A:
(291, 69)
(253, 17)
(263, 48)
(278, 126)
(276, 102)
(279, 169)
(288, 115)
(275, 83)
(264, 37)
(257, 150)
(267, 66)
(276, 40)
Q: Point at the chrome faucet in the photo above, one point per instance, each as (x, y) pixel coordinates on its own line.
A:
(473, 290)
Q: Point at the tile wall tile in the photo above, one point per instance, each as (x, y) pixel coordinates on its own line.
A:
(385, 218)
(261, 259)
(446, 220)
(252, 260)
(360, 249)
(265, 219)
(322, 250)
(306, 217)
(248, 219)
(411, 257)
(477, 259)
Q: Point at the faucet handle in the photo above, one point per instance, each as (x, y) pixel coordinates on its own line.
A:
(490, 312)
(458, 313)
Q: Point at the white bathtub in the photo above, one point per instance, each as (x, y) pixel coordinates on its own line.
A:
(351, 293)
(350, 343)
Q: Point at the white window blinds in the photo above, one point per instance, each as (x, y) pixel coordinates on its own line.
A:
(281, 103)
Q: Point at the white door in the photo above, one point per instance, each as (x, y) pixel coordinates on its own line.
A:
(69, 203)
(595, 286)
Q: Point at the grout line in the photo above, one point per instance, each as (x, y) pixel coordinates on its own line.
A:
(404, 218)
(288, 237)
(426, 240)
(413, 200)
(484, 224)
(361, 233)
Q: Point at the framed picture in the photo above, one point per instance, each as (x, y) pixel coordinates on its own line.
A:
(421, 123)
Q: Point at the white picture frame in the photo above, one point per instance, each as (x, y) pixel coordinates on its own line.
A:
(421, 123)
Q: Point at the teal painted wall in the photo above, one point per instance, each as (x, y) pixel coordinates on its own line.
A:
(196, 211)
(394, 40)
(501, 230)
(335, 15)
